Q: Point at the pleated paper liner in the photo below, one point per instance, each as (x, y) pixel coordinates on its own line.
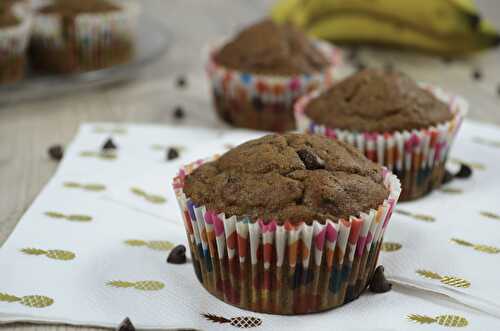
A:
(294, 268)
(13, 43)
(417, 157)
(89, 42)
(264, 102)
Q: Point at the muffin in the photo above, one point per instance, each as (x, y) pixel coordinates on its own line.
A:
(286, 224)
(255, 80)
(14, 33)
(72, 36)
(405, 126)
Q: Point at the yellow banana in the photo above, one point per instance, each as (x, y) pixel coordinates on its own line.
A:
(444, 26)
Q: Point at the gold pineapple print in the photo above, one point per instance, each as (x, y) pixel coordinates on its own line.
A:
(419, 217)
(156, 199)
(55, 254)
(108, 155)
(86, 187)
(480, 248)
(490, 215)
(146, 285)
(34, 301)
(243, 322)
(448, 280)
(444, 320)
(390, 246)
(70, 217)
(158, 245)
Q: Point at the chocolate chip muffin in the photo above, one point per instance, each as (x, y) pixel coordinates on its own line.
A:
(393, 120)
(255, 80)
(14, 31)
(286, 224)
(74, 36)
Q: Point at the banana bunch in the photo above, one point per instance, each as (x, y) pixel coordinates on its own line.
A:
(450, 27)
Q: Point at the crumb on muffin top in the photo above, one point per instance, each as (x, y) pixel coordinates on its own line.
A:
(290, 177)
(272, 49)
(377, 101)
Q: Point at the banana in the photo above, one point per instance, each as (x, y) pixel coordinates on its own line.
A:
(443, 26)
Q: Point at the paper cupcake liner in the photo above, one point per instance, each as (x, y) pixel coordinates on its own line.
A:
(264, 102)
(13, 42)
(294, 268)
(417, 157)
(92, 41)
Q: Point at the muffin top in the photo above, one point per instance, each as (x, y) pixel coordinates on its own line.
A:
(7, 17)
(71, 8)
(291, 177)
(271, 49)
(377, 101)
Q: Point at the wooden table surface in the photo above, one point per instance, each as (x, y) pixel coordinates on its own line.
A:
(28, 129)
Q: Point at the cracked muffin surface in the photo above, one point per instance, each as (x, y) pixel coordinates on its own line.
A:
(290, 177)
(377, 101)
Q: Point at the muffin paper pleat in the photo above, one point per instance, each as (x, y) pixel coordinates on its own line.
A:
(264, 101)
(293, 268)
(417, 157)
(13, 43)
(91, 41)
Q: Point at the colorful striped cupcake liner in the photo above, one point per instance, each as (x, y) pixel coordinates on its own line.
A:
(417, 157)
(93, 41)
(263, 101)
(294, 268)
(13, 43)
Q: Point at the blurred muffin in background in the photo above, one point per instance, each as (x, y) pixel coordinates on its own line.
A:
(14, 33)
(72, 36)
(258, 75)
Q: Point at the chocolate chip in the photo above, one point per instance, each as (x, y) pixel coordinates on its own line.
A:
(172, 153)
(109, 145)
(310, 160)
(181, 81)
(56, 152)
(179, 113)
(177, 255)
(464, 172)
(126, 325)
(477, 74)
(448, 177)
(379, 284)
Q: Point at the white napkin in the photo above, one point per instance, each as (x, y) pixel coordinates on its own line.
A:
(122, 243)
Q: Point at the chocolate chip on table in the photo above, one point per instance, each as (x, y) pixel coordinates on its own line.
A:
(448, 177)
(126, 325)
(109, 145)
(177, 255)
(56, 152)
(379, 284)
(179, 113)
(464, 172)
(310, 160)
(477, 74)
(172, 153)
(181, 81)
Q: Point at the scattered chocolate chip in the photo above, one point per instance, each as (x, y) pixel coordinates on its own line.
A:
(181, 81)
(177, 255)
(311, 161)
(56, 152)
(172, 153)
(379, 284)
(477, 74)
(464, 172)
(109, 145)
(126, 325)
(179, 113)
(448, 177)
